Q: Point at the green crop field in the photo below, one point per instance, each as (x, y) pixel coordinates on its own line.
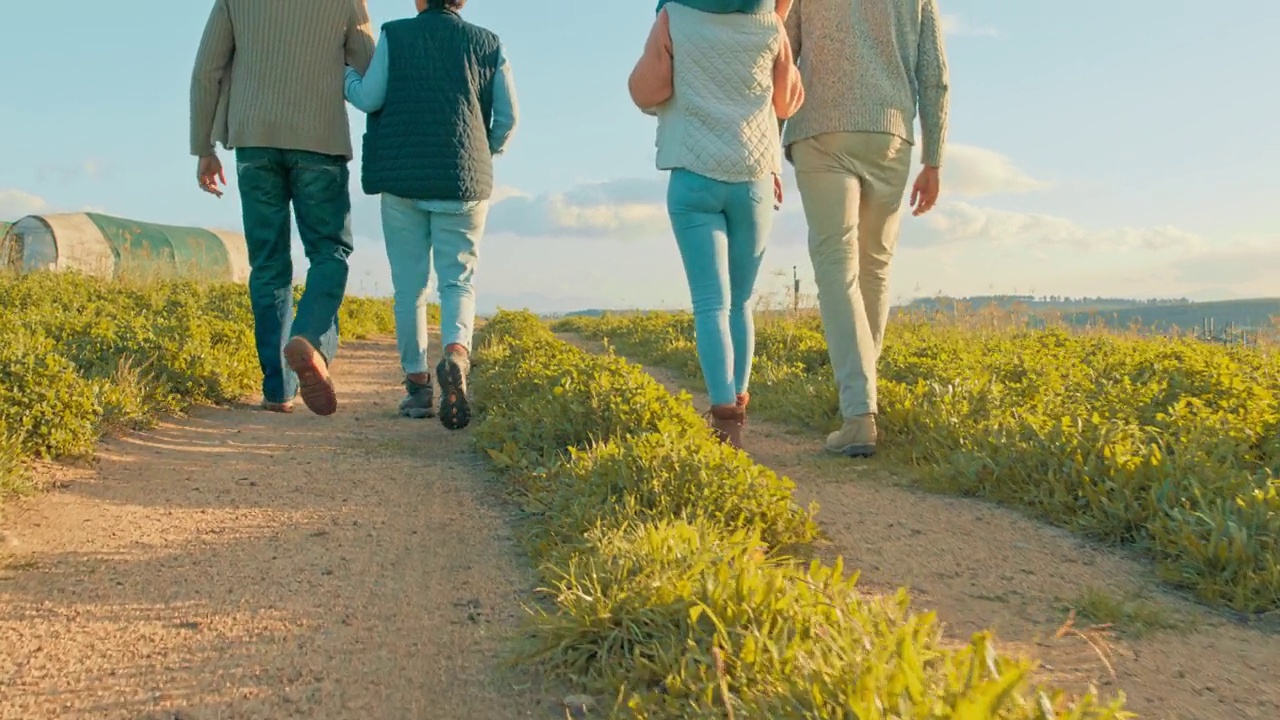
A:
(1167, 445)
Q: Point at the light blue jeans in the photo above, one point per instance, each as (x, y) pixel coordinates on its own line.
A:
(418, 232)
(721, 229)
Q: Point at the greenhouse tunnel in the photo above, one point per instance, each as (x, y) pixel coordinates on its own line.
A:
(106, 246)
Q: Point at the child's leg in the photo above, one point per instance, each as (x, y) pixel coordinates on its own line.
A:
(696, 206)
(749, 214)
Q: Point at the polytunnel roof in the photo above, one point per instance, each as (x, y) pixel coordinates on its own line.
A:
(149, 247)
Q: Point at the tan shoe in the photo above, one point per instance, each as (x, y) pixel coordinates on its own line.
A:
(857, 438)
(314, 384)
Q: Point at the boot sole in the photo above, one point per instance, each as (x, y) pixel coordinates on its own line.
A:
(854, 451)
(455, 408)
(314, 384)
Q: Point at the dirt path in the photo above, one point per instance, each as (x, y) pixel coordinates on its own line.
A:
(980, 566)
(241, 564)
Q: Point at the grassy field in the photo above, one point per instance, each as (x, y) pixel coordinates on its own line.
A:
(675, 566)
(81, 357)
(1167, 445)
(678, 572)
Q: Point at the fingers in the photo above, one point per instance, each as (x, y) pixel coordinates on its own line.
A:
(209, 184)
(928, 198)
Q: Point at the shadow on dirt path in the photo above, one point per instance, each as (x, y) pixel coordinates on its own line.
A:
(242, 564)
(982, 566)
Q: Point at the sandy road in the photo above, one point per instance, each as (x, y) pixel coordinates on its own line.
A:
(242, 564)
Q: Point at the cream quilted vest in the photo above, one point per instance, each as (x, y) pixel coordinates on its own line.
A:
(720, 122)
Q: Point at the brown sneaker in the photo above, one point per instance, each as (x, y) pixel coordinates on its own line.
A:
(744, 400)
(857, 438)
(275, 407)
(314, 384)
(727, 421)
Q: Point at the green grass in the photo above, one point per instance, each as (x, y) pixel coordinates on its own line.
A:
(81, 357)
(1128, 613)
(1168, 445)
(677, 571)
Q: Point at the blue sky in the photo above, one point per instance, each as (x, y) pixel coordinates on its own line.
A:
(1101, 148)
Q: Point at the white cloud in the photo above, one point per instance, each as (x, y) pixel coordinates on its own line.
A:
(635, 207)
(503, 192)
(953, 24)
(971, 171)
(625, 209)
(962, 222)
(17, 203)
(535, 244)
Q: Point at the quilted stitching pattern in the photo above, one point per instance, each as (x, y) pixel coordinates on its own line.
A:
(430, 140)
(720, 122)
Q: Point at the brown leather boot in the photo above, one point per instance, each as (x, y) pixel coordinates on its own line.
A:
(727, 421)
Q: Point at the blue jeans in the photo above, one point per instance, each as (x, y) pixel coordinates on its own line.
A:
(317, 186)
(721, 229)
(416, 232)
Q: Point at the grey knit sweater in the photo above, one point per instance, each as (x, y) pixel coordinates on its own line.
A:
(870, 66)
(270, 74)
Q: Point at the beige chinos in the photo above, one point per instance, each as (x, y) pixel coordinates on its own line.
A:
(852, 186)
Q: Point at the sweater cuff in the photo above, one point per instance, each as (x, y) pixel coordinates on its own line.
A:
(932, 155)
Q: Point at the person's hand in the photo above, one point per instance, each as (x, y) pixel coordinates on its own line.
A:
(924, 194)
(209, 174)
(777, 192)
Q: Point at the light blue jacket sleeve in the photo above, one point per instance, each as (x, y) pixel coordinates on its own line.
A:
(506, 109)
(368, 93)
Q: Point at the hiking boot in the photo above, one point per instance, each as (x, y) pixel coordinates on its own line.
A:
(857, 438)
(455, 407)
(727, 422)
(314, 384)
(419, 401)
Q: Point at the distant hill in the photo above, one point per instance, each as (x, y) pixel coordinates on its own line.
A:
(1033, 303)
(1159, 315)
(590, 312)
(1254, 313)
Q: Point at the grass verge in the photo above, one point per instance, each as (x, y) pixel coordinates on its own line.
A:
(80, 357)
(1167, 445)
(1128, 613)
(675, 571)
